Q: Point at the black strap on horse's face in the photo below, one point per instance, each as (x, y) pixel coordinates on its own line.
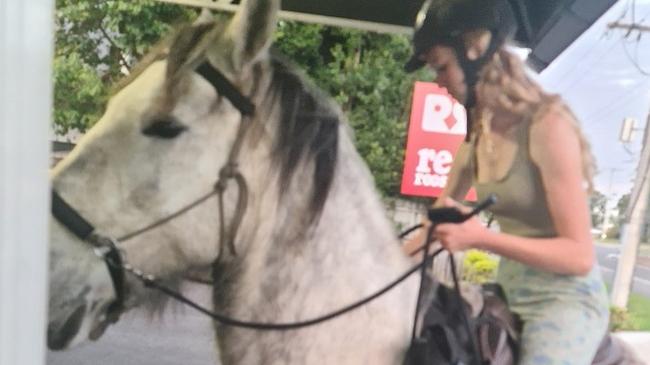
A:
(108, 249)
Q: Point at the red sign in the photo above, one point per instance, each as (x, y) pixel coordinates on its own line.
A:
(437, 128)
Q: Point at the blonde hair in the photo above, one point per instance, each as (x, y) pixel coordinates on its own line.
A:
(504, 85)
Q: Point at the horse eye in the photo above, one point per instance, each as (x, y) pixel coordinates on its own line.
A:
(166, 128)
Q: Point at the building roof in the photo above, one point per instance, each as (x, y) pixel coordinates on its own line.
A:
(548, 27)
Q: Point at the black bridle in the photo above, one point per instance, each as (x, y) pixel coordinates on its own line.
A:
(108, 249)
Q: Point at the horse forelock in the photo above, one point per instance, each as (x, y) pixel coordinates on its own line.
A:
(176, 49)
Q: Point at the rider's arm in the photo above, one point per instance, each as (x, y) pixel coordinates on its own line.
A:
(459, 181)
(555, 149)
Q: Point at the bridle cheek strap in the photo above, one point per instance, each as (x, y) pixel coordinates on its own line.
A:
(472, 70)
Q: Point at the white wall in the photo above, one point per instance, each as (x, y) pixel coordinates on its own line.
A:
(404, 213)
(26, 38)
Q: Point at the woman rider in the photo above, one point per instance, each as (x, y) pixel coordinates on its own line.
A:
(526, 147)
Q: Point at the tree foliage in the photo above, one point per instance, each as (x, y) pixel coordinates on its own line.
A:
(598, 204)
(479, 267)
(97, 41)
(79, 93)
(364, 73)
(622, 206)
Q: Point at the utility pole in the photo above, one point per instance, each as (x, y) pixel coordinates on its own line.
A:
(634, 221)
(636, 210)
(630, 27)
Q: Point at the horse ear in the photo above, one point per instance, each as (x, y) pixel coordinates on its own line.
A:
(251, 30)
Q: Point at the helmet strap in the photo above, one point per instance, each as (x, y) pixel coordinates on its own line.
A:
(472, 70)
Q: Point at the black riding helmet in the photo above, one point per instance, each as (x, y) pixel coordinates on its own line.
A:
(443, 22)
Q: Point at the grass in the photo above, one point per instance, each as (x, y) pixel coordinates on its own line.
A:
(637, 317)
(639, 310)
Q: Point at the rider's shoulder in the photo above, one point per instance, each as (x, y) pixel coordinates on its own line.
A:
(552, 120)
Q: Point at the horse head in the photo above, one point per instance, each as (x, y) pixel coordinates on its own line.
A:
(160, 145)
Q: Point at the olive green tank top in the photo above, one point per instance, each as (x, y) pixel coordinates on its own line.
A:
(521, 207)
(522, 210)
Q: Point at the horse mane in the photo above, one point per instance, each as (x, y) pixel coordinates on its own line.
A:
(308, 131)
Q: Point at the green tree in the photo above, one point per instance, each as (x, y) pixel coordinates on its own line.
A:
(364, 73)
(79, 93)
(96, 43)
(621, 206)
(598, 203)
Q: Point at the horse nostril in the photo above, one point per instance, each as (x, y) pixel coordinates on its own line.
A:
(59, 339)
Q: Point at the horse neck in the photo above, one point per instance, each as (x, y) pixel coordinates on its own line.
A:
(351, 231)
(349, 253)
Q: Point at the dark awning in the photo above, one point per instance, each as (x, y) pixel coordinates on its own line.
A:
(548, 27)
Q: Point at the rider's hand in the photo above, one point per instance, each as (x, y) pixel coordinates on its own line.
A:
(460, 236)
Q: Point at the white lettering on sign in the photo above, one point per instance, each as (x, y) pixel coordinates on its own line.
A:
(433, 167)
(430, 180)
(438, 109)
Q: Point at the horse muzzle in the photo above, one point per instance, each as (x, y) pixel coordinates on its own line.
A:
(80, 325)
(59, 337)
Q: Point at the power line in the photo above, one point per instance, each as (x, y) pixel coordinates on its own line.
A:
(622, 101)
(635, 60)
(588, 52)
(582, 57)
(582, 75)
(629, 28)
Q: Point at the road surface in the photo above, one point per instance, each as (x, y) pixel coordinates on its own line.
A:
(608, 259)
